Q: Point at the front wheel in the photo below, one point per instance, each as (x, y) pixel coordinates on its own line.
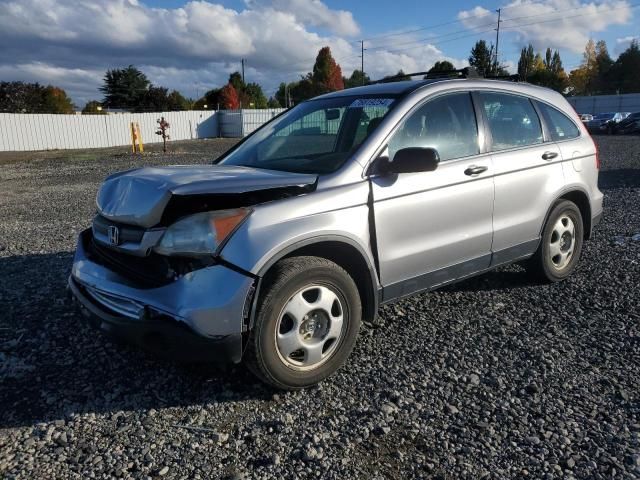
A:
(561, 243)
(308, 318)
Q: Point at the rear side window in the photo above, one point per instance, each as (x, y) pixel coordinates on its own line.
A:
(446, 123)
(560, 126)
(512, 119)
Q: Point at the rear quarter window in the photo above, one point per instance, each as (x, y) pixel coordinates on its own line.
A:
(561, 127)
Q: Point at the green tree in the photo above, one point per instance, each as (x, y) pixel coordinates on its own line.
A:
(398, 77)
(624, 74)
(93, 107)
(235, 79)
(273, 103)
(357, 79)
(255, 95)
(481, 58)
(177, 102)
(440, 66)
(154, 99)
(526, 62)
(124, 88)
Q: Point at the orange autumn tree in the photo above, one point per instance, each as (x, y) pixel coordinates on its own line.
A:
(327, 74)
(229, 97)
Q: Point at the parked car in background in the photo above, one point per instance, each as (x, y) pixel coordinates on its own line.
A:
(606, 122)
(277, 252)
(631, 124)
(586, 117)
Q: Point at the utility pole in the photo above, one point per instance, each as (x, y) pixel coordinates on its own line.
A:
(495, 65)
(362, 59)
(243, 70)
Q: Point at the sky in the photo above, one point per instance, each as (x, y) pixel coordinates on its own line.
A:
(192, 46)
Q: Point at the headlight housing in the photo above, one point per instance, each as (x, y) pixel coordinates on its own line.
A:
(200, 234)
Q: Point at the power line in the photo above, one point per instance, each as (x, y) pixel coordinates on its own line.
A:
(459, 20)
(509, 27)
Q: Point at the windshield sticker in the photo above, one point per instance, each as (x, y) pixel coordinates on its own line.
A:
(371, 102)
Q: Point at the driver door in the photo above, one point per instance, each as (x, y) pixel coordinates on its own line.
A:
(433, 227)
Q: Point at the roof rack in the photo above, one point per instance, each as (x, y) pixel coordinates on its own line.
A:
(467, 72)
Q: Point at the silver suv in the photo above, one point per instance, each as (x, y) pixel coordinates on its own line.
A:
(276, 253)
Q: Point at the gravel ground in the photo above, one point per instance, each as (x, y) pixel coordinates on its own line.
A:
(494, 377)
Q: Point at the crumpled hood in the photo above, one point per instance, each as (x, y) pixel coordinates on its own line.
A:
(139, 196)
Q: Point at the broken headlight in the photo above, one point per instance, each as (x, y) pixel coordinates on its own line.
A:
(200, 234)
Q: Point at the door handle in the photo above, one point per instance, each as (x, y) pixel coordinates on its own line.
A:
(475, 170)
(549, 155)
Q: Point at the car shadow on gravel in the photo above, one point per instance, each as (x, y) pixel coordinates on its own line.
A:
(52, 364)
(619, 178)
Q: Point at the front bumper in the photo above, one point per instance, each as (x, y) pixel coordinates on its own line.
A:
(198, 317)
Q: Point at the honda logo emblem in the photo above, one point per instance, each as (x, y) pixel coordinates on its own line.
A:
(114, 235)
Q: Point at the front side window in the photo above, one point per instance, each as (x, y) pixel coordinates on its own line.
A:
(317, 136)
(446, 123)
(512, 120)
(560, 126)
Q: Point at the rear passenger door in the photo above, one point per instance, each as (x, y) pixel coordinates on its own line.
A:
(527, 173)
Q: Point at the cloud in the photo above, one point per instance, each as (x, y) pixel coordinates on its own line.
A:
(191, 48)
(315, 13)
(623, 43)
(559, 24)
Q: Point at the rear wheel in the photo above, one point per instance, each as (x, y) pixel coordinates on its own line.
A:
(307, 322)
(561, 243)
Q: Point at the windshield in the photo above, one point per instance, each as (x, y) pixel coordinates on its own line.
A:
(317, 136)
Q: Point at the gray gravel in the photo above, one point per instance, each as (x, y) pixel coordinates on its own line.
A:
(494, 377)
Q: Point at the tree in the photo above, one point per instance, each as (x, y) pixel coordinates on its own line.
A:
(20, 97)
(235, 79)
(482, 58)
(526, 62)
(327, 74)
(357, 79)
(624, 75)
(177, 102)
(442, 66)
(124, 88)
(398, 77)
(93, 107)
(55, 100)
(229, 99)
(154, 99)
(547, 71)
(273, 103)
(255, 96)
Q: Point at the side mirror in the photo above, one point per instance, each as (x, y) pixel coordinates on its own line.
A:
(409, 160)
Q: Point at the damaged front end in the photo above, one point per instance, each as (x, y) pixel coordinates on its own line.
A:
(151, 268)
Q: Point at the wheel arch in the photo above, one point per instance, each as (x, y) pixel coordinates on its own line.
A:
(581, 199)
(344, 252)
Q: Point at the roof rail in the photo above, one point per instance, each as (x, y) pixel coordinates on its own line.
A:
(467, 72)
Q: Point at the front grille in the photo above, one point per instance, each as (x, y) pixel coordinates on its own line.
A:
(151, 271)
(128, 233)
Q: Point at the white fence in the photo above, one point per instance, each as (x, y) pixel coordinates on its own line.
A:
(19, 132)
(629, 102)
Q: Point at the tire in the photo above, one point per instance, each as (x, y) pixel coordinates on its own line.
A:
(310, 303)
(555, 258)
